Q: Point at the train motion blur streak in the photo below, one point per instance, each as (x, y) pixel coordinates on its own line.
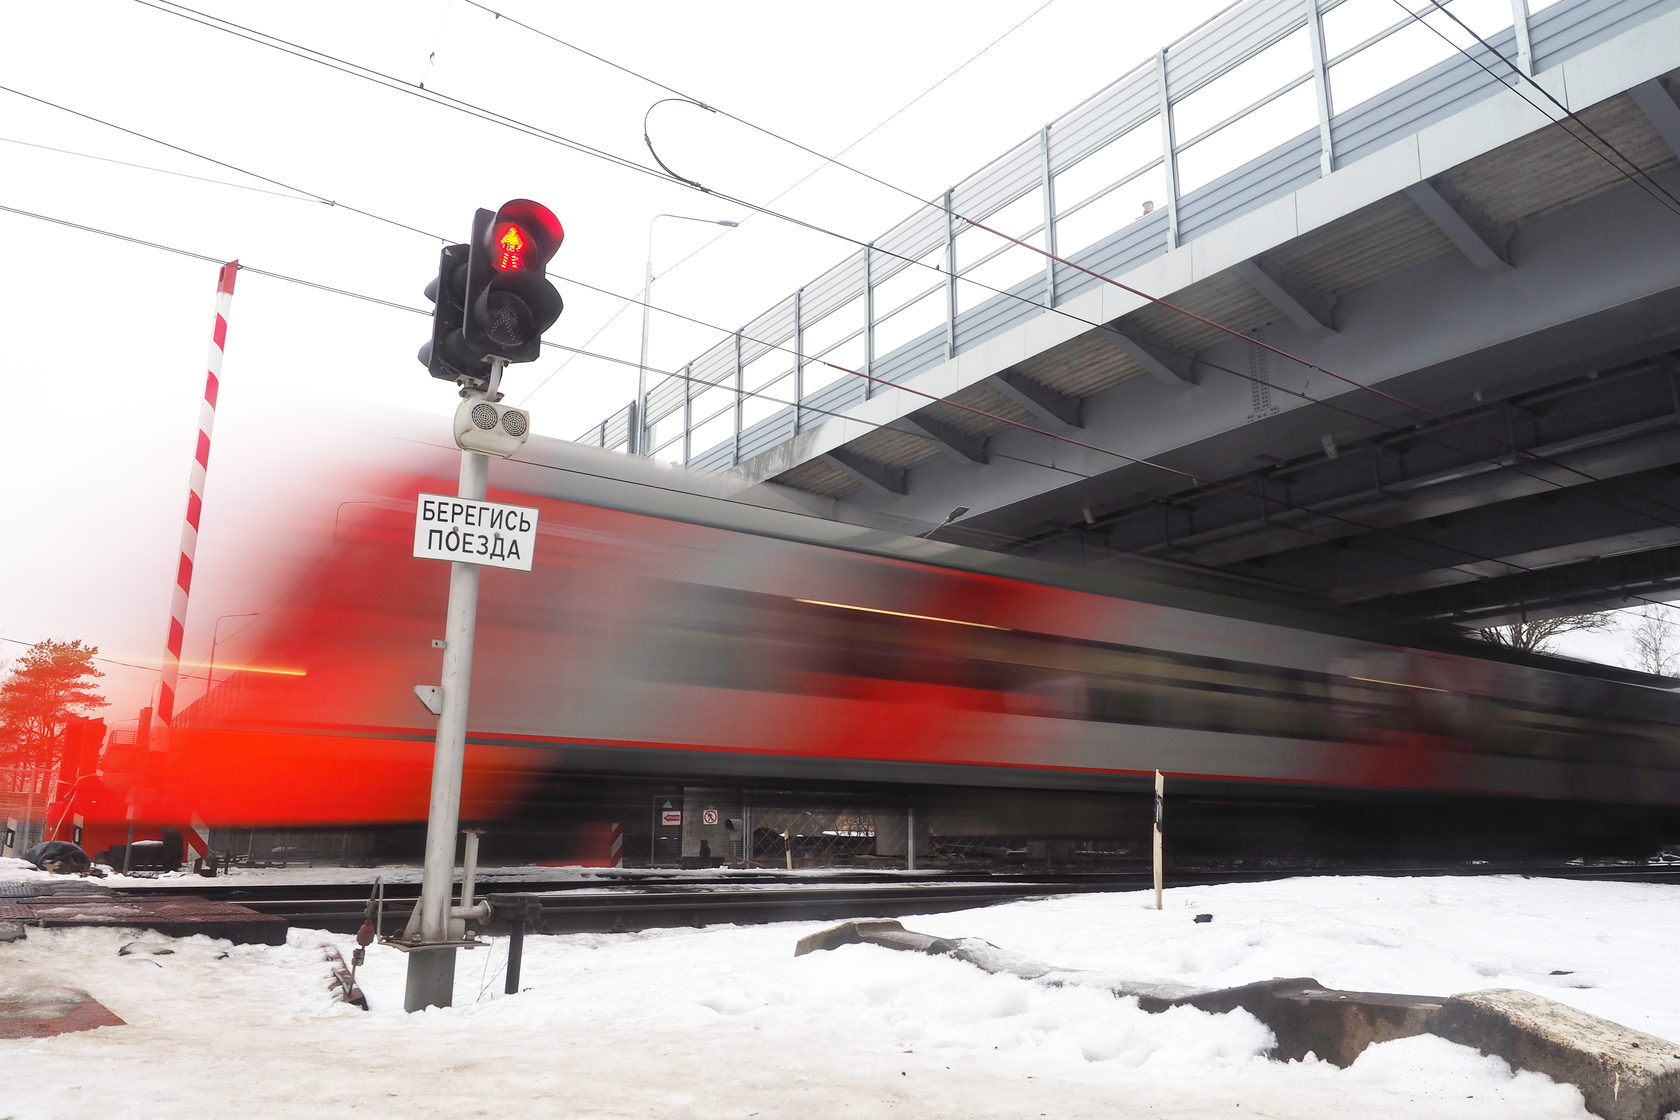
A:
(665, 631)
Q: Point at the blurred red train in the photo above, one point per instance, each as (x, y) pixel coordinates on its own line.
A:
(668, 630)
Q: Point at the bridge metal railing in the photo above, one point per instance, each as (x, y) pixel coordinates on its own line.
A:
(1259, 101)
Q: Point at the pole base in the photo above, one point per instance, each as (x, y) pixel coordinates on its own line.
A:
(431, 979)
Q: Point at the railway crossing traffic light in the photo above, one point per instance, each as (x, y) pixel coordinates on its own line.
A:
(447, 355)
(509, 301)
(493, 299)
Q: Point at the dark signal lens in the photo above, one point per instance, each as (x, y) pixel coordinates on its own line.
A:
(507, 319)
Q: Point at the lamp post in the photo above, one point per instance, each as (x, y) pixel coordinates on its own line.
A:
(949, 517)
(639, 427)
(215, 636)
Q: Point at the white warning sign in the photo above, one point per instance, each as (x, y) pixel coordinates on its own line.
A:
(474, 532)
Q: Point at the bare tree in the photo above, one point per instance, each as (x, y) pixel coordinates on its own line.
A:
(1656, 643)
(1536, 635)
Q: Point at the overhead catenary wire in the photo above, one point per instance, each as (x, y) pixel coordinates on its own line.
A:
(427, 313)
(91, 657)
(1219, 484)
(172, 7)
(391, 82)
(1470, 555)
(1502, 445)
(297, 192)
(627, 301)
(1053, 436)
(790, 188)
(156, 170)
(1633, 172)
(497, 118)
(894, 115)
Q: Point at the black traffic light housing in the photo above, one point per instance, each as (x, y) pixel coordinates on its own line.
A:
(509, 301)
(447, 355)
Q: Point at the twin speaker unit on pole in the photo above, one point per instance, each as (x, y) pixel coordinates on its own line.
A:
(494, 300)
(490, 428)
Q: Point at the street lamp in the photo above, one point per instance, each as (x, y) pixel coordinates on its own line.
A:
(949, 517)
(639, 427)
(215, 636)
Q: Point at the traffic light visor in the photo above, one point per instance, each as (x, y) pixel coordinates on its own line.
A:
(524, 236)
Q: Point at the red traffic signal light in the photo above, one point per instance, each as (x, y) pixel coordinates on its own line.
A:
(511, 245)
(509, 301)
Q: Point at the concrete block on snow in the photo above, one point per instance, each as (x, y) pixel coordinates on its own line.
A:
(1622, 1073)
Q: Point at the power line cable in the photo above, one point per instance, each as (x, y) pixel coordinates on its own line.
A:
(388, 81)
(496, 118)
(1638, 176)
(91, 657)
(1265, 499)
(298, 192)
(757, 394)
(796, 184)
(171, 7)
(826, 161)
(154, 169)
(311, 55)
(626, 300)
(1502, 445)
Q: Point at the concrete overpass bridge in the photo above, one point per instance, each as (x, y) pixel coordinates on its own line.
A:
(1421, 344)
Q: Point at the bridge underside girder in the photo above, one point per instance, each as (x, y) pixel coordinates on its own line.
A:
(1472, 411)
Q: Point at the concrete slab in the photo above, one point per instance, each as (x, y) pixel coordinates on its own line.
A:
(846, 933)
(80, 902)
(1623, 1074)
(1308, 1018)
(41, 1012)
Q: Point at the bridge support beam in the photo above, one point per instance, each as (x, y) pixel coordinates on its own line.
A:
(951, 440)
(1041, 400)
(1654, 101)
(1305, 306)
(1587, 587)
(877, 477)
(1475, 235)
(1166, 366)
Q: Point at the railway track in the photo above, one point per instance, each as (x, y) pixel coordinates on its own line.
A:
(622, 903)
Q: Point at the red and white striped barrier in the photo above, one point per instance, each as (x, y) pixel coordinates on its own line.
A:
(195, 497)
(189, 531)
(615, 854)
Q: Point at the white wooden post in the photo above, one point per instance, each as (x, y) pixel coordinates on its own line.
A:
(1160, 787)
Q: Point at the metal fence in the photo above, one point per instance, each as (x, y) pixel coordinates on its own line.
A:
(1261, 100)
(801, 835)
(290, 847)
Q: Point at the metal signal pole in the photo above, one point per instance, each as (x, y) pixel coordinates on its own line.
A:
(431, 963)
(493, 302)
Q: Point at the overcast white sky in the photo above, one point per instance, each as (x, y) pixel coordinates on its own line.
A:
(105, 342)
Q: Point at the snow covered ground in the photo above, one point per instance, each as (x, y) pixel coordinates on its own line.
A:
(726, 1022)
